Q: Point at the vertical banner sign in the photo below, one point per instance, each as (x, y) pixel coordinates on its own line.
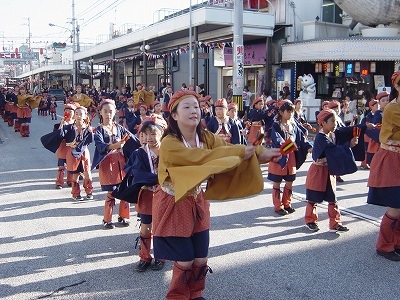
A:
(239, 72)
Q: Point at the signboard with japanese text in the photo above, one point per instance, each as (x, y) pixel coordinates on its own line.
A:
(20, 55)
(252, 55)
(239, 67)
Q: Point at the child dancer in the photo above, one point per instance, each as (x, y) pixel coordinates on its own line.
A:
(80, 98)
(110, 160)
(67, 120)
(144, 169)
(222, 125)
(332, 156)
(372, 135)
(131, 118)
(233, 115)
(383, 182)
(285, 169)
(181, 215)
(26, 103)
(11, 108)
(256, 113)
(77, 138)
(53, 108)
(143, 113)
(157, 108)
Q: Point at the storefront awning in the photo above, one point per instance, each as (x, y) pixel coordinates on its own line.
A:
(369, 49)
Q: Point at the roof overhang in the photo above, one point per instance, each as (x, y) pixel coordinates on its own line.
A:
(379, 49)
(213, 23)
(53, 69)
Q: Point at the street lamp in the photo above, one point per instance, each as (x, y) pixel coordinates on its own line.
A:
(73, 49)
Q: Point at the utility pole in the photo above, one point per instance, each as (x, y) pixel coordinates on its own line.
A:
(78, 49)
(190, 45)
(238, 55)
(73, 46)
(29, 32)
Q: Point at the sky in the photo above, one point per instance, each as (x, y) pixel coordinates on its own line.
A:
(93, 16)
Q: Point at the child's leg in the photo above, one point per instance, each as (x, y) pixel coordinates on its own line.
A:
(197, 284)
(276, 196)
(179, 288)
(388, 234)
(76, 189)
(335, 219)
(108, 208)
(88, 183)
(60, 174)
(311, 213)
(124, 210)
(145, 242)
(397, 236)
(287, 197)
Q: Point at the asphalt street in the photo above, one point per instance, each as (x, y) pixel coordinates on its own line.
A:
(54, 248)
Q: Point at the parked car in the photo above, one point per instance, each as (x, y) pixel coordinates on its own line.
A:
(59, 94)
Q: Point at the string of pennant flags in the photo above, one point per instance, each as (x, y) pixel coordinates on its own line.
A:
(177, 52)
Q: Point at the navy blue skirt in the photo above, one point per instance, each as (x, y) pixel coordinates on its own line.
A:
(182, 248)
(384, 196)
(279, 178)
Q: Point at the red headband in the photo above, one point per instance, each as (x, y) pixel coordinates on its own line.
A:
(179, 95)
(382, 95)
(324, 114)
(333, 104)
(221, 103)
(395, 78)
(283, 102)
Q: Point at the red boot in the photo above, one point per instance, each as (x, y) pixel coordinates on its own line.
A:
(311, 216)
(144, 254)
(276, 200)
(76, 191)
(198, 282)
(27, 132)
(22, 130)
(108, 209)
(124, 209)
(60, 177)
(386, 238)
(69, 179)
(17, 126)
(88, 186)
(179, 288)
(287, 200)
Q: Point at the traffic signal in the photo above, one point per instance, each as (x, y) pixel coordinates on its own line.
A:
(59, 45)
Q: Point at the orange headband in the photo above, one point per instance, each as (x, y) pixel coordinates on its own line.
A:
(178, 96)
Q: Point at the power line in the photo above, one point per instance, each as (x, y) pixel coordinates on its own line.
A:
(104, 11)
(90, 8)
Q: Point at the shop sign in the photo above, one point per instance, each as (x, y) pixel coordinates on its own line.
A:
(349, 69)
(364, 68)
(357, 67)
(239, 68)
(372, 67)
(341, 67)
(252, 55)
(336, 70)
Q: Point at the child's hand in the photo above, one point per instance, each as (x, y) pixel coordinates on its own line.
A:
(370, 126)
(249, 151)
(273, 154)
(354, 141)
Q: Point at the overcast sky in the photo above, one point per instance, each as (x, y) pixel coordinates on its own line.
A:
(93, 16)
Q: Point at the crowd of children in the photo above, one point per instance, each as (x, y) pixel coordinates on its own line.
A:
(172, 143)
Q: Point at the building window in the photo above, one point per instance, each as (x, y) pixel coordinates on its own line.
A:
(330, 12)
